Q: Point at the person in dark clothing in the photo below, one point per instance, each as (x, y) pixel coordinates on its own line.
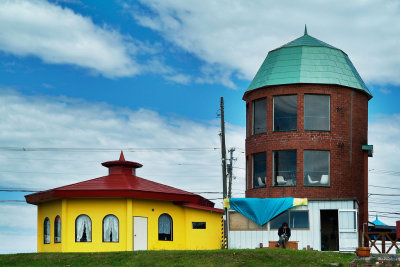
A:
(284, 235)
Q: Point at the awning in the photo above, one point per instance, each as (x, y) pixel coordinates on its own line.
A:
(262, 210)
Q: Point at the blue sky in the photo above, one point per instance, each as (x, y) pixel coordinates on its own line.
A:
(149, 74)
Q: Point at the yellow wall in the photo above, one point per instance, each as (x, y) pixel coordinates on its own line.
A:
(50, 210)
(209, 238)
(184, 237)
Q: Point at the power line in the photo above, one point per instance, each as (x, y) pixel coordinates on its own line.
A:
(91, 149)
(388, 195)
(387, 187)
(17, 190)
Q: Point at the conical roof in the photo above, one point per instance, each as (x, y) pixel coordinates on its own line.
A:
(308, 60)
(378, 222)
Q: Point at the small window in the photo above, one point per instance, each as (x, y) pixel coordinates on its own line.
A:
(259, 169)
(260, 116)
(110, 228)
(285, 168)
(57, 229)
(296, 219)
(46, 231)
(276, 222)
(316, 168)
(165, 227)
(285, 113)
(199, 225)
(316, 112)
(83, 228)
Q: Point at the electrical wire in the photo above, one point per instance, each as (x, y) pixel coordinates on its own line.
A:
(88, 149)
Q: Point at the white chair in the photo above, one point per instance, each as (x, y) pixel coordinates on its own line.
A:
(280, 180)
(260, 182)
(324, 179)
(311, 181)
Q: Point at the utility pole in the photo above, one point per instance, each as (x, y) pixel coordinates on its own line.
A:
(230, 170)
(223, 163)
(223, 150)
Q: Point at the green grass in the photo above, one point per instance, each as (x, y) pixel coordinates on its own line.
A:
(254, 257)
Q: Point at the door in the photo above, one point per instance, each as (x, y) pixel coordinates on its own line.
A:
(139, 233)
(348, 235)
(329, 230)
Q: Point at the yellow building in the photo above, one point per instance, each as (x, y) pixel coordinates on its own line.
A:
(123, 212)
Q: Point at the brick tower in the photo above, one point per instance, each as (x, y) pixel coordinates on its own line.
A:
(307, 124)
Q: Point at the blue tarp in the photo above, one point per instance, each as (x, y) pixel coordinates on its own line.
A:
(262, 210)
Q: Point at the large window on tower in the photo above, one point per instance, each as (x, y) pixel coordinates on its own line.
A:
(259, 169)
(260, 116)
(316, 168)
(285, 113)
(316, 112)
(285, 168)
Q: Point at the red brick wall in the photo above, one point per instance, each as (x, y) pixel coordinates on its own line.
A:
(344, 140)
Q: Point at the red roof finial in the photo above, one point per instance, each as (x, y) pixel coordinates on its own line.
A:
(121, 157)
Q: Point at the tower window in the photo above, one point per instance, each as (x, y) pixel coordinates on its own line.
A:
(316, 168)
(285, 113)
(83, 229)
(260, 116)
(285, 168)
(316, 112)
(259, 169)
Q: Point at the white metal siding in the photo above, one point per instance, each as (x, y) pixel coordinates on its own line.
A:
(311, 237)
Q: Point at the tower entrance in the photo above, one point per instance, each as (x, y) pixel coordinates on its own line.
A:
(329, 230)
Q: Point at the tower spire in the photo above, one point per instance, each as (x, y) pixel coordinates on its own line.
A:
(121, 157)
(305, 29)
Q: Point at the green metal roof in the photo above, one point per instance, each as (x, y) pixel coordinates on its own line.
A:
(308, 60)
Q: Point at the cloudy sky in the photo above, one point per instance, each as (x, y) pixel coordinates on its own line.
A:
(80, 81)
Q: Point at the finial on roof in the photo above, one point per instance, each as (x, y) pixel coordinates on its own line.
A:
(305, 29)
(121, 157)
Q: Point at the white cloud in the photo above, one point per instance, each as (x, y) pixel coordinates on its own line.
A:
(384, 132)
(17, 243)
(18, 219)
(34, 122)
(179, 78)
(60, 36)
(237, 35)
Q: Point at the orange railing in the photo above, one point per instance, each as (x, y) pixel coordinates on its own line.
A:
(390, 237)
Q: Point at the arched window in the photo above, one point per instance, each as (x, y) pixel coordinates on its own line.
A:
(57, 230)
(46, 230)
(165, 227)
(83, 229)
(110, 228)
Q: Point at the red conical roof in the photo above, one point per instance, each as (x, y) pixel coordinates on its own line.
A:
(123, 183)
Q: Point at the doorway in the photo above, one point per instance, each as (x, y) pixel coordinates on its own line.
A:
(329, 230)
(139, 233)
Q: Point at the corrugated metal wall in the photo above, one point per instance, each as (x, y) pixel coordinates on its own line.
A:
(311, 237)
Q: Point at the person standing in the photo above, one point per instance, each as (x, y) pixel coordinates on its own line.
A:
(284, 235)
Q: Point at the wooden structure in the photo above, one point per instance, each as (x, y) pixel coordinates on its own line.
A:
(384, 237)
(289, 245)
